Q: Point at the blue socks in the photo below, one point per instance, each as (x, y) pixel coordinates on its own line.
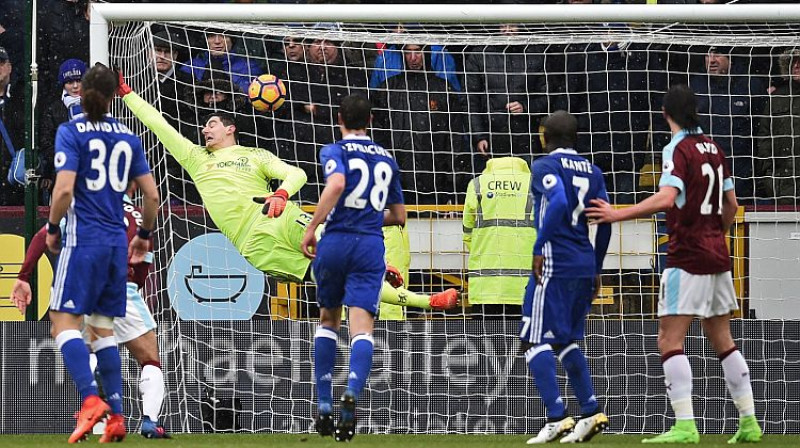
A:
(361, 348)
(109, 366)
(76, 360)
(574, 363)
(542, 364)
(324, 361)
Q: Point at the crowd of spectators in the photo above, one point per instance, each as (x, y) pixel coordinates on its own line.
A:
(443, 110)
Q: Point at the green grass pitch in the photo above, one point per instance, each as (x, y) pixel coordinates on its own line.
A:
(381, 441)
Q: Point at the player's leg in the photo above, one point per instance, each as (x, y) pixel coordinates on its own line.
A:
(325, 344)
(537, 335)
(592, 420)
(111, 304)
(137, 331)
(681, 297)
(365, 273)
(151, 383)
(72, 296)
(717, 329)
(328, 266)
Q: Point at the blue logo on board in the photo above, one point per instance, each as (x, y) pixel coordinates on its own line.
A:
(210, 280)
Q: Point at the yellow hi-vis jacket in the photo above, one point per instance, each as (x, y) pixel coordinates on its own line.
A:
(499, 233)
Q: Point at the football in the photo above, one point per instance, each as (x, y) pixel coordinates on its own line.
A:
(267, 93)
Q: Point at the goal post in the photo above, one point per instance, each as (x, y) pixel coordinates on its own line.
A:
(103, 14)
(226, 328)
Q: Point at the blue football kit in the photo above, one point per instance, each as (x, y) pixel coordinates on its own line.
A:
(349, 266)
(563, 183)
(92, 268)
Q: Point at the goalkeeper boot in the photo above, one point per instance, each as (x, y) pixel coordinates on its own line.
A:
(553, 430)
(346, 426)
(393, 276)
(445, 300)
(749, 431)
(684, 431)
(586, 428)
(324, 422)
(152, 430)
(92, 411)
(115, 429)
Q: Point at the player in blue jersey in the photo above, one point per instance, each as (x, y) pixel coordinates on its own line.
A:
(362, 194)
(565, 280)
(95, 155)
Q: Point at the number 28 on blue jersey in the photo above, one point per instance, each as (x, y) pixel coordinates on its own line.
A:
(372, 182)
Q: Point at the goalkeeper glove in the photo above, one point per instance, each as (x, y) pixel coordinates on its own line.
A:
(393, 276)
(122, 88)
(273, 205)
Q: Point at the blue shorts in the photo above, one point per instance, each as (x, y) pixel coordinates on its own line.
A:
(349, 270)
(91, 279)
(555, 311)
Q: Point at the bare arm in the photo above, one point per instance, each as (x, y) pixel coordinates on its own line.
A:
(395, 216)
(140, 246)
(729, 207)
(334, 187)
(62, 198)
(602, 212)
(147, 186)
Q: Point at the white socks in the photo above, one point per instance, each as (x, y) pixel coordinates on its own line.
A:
(678, 378)
(737, 378)
(151, 386)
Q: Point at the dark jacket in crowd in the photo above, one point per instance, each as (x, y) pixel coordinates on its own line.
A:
(55, 114)
(239, 69)
(779, 145)
(498, 75)
(417, 116)
(12, 112)
(727, 105)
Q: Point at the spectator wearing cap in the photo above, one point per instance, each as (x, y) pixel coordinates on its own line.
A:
(67, 107)
(728, 97)
(778, 136)
(417, 116)
(64, 34)
(12, 113)
(167, 50)
(218, 61)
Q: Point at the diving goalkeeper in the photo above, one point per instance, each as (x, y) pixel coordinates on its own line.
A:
(233, 180)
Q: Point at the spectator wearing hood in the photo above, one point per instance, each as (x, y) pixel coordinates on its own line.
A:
(218, 61)
(61, 110)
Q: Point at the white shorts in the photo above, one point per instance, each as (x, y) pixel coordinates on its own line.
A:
(703, 296)
(137, 320)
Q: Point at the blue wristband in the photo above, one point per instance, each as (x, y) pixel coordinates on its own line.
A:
(143, 233)
(53, 229)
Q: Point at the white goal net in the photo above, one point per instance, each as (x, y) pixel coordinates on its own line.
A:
(444, 94)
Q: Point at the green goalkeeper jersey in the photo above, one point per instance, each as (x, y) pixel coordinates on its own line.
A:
(227, 179)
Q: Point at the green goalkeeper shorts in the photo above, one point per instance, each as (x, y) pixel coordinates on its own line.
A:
(273, 245)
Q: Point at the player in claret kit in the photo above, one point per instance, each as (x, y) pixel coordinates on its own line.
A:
(696, 191)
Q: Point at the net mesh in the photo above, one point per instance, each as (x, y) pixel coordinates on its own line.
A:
(442, 95)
